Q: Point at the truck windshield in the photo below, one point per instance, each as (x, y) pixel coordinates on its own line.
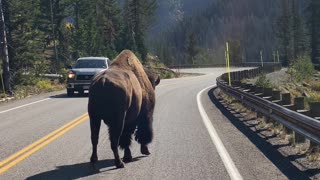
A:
(90, 63)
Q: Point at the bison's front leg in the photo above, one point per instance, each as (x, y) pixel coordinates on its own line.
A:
(144, 133)
(144, 149)
(95, 124)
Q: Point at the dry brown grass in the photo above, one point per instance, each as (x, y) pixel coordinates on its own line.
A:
(315, 85)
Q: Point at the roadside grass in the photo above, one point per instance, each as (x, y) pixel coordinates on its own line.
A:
(37, 86)
(313, 154)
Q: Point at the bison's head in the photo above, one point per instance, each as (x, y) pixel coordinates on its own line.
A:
(153, 77)
(155, 80)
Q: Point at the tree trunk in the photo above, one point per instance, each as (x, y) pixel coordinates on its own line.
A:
(4, 53)
(315, 41)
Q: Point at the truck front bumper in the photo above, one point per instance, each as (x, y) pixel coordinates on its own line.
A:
(78, 86)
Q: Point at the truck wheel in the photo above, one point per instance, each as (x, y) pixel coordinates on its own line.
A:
(81, 92)
(70, 92)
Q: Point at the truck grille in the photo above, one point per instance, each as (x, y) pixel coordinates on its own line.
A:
(84, 77)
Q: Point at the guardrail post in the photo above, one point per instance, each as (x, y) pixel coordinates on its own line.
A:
(236, 84)
(286, 102)
(258, 71)
(252, 89)
(250, 73)
(299, 106)
(299, 103)
(314, 113)
(246, 74)
(259, 91)
(267, 94)
(276, 97)
(248, 87)
(237, 76)
(240, 75)
(315, 110)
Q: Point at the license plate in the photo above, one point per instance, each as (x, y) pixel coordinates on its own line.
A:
(85, 87)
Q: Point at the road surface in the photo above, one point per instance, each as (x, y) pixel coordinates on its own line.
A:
(183, 148)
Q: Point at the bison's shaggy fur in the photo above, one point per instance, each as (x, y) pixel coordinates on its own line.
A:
(123, 97)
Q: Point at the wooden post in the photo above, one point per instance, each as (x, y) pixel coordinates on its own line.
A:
(228, 63)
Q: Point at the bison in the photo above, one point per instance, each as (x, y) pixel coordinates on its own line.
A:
(123, 96)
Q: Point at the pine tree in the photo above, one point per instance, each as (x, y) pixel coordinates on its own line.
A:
(284, 33)
(138, 17)
(98, 27)
(314, 21)
(26, 40)
(109, 26)
(191, 48)
(300, 40)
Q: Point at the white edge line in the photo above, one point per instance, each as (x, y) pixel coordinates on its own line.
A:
(1, 112)
(223, 153)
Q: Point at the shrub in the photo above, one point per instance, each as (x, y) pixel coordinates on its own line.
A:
(44, 85)
(314, 97)
(21, 91)
(301, 69)
(166, 75)
(263, 81)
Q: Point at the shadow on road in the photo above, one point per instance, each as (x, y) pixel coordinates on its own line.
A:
(281, 162)
(76, 171)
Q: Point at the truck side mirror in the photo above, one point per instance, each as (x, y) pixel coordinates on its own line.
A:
(69, 67)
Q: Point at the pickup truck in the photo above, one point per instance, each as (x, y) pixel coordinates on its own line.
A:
(80, 75)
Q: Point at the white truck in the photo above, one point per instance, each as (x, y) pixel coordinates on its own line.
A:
(80, 75)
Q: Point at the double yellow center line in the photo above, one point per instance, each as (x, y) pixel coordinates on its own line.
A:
(36, 146)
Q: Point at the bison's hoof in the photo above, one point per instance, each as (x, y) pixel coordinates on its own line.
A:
(127, 159)
(119, 164)
(93, 159)
(145, 150)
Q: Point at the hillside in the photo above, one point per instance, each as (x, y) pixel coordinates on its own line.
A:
(245, 25)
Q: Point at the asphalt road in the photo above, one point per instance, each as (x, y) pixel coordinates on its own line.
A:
(182, 147)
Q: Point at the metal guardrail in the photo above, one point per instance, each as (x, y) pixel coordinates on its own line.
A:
(300, 123)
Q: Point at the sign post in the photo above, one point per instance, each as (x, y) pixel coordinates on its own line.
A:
(274, 57)
(228, 63)
(261, 58)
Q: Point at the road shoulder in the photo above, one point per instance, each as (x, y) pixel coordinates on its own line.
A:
(253, 156)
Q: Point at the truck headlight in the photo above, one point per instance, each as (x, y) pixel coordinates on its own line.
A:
(71, 75)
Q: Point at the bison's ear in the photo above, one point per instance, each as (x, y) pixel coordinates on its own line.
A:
(157, 81)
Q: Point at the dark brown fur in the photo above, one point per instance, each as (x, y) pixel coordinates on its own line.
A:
(123, 97)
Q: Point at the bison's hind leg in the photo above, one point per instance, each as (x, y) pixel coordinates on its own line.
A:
(125, 141)
(95, 124)
(115, 131)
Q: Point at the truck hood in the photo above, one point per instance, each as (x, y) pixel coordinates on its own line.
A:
(87, 71)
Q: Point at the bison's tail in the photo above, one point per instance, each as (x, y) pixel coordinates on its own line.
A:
(144, 133)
